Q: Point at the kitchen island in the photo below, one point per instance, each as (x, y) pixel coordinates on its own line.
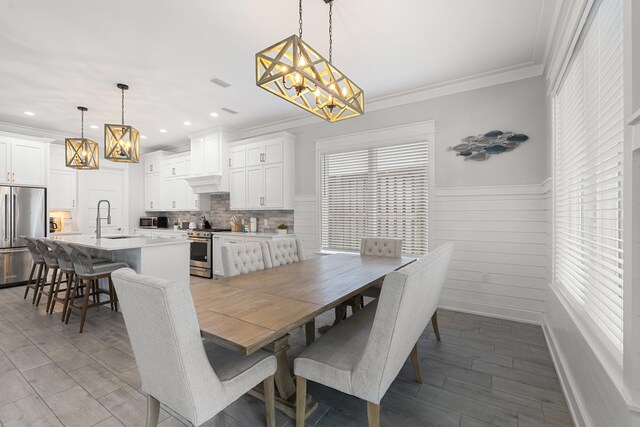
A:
(159, 257)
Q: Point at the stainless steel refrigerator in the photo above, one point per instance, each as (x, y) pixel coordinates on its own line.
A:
(23, 212)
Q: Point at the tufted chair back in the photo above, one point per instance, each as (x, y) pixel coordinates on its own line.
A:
(378, 246)
(246, 258)
(285, 251)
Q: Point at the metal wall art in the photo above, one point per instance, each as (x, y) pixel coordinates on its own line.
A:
(481, 147)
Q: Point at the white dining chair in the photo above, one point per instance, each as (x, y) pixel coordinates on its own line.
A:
(195, 379)
(285, 251)
(362, 355)
(245, 258)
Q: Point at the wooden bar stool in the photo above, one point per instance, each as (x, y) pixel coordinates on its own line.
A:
(38, 264)
(90, 273)
(51, 264)
(65, 268)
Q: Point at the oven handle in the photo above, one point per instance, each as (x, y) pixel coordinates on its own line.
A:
(198, 239)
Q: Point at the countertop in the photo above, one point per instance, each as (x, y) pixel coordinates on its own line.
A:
(134, 242)
(241, 234)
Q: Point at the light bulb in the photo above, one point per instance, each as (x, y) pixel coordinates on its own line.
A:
(128, 145)
(332, 87)
(284, 69)
(297, 78)
(302, 62)
(344, 91)
(316, 93)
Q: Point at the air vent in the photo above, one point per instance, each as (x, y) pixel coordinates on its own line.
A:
(219, 82)
(229, 110)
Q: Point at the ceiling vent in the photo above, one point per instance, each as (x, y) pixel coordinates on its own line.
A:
(229, 110)
(220, 82)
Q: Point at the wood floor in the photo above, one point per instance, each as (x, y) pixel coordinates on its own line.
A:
(484, 372)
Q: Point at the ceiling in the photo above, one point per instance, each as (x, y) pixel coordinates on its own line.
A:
(56, 55)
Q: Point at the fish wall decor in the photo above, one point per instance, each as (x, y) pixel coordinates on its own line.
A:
(481, 147)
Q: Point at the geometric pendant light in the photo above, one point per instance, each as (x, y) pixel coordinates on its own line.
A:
(81, 153)
(121, 142)
(294, 71)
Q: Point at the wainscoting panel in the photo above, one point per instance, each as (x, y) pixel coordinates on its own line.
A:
(501, 264)
(305, 223)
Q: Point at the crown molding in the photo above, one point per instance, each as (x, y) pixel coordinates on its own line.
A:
(32, 131)
(478, 81)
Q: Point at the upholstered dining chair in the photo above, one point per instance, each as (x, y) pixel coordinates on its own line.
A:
(196, 379)
(362, 355)
(285, 251)
(245, 258)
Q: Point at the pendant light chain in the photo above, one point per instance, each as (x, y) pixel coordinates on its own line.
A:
(123, 107)
(300, 18)
(82, 124)
(330, 32)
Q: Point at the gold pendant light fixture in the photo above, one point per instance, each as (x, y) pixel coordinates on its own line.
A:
(121, 142)
(81, 153)
(293, 70)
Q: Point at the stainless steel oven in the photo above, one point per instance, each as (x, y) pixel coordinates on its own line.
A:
(201, 253)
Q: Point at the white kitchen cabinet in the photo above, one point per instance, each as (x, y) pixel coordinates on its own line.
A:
(62, 190)
(153, 162)
(210, 159)
(268, 173)
(175, 167)
(5, 162)
(238, 188)
(175, 197)
(153, 191)
(218, 269)
(196, 202)
(23, 162)
(237, 157)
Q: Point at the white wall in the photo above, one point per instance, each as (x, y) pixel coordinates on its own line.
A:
(516, 106)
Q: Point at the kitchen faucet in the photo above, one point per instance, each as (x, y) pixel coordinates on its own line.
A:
(98, 222)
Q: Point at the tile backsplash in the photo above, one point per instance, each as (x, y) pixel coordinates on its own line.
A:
(220, 213)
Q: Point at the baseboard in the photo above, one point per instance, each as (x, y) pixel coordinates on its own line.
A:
(499, 312)
(566, 379)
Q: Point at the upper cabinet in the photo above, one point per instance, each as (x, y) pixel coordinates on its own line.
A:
(23, 162)
(262, 172)
(62, 188)
(210, 162)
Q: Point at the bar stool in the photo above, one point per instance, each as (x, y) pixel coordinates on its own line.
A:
(51, 265)
(39, 263)
(90, 273)
(65, 267)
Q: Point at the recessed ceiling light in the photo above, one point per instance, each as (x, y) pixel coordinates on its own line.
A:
(214, 114)
(143, 136)
(163, 131)
(187, 123)
(29, 113)
(94, 126)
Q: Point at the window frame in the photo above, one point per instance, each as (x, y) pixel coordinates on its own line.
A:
(384, 137)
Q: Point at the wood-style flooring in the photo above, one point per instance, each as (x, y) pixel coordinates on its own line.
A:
(484, 372)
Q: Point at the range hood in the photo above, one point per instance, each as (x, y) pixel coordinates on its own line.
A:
(205, 184)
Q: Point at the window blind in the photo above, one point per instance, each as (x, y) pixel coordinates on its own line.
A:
(589, 135)
(375, 192)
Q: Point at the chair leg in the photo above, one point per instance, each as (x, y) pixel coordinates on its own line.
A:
(310, 331)
(270, 401)
(416, 364)
(301, 401)
(72, 298)
(52, 286)
(67, 294)
(153, 411)
(33, 270)
(85, 303)
(434, 323)
(373, 414)
(36, 286)
(42, 285)
(54, 293)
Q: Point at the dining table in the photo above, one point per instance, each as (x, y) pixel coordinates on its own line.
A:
(258, 310)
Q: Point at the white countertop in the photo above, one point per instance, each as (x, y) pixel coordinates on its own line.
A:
(64, 233)
(134, 242)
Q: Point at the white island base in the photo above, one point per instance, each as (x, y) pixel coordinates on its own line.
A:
(158, 257)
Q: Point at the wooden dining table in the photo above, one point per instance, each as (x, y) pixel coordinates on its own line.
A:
(257, 311)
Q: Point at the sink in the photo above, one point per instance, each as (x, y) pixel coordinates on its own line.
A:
(119, 237)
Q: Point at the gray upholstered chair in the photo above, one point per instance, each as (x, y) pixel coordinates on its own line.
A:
(245, 258)
(39, 264)
(285, 251)
(195, 379)
(381, 246)
(363, 355)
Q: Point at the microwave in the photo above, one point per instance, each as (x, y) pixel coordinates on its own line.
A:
(154, 222)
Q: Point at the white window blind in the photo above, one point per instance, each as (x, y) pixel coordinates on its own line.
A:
(589, 124)
(375, 192)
